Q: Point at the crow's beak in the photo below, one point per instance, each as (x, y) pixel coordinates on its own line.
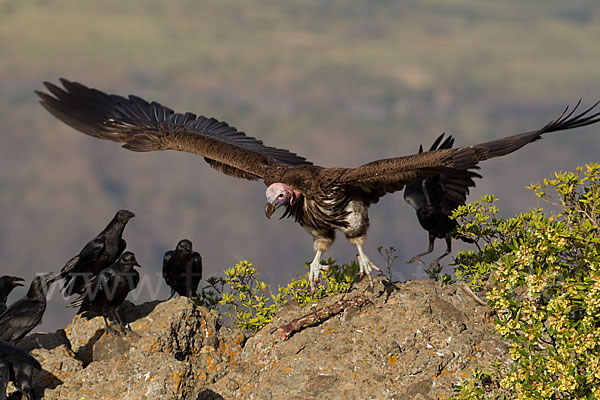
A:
(269, 209)
(17, 281)
(51, 277)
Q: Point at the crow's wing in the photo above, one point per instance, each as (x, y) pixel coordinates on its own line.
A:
(20, 318)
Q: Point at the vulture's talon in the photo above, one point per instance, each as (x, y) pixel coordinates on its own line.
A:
(366, 267)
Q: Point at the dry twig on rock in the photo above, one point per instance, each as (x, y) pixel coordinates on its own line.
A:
(320, 315)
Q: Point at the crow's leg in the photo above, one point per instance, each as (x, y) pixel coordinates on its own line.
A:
(108, 327)
(122, 323)
(429, 250)
(172, 294)
(448, 251)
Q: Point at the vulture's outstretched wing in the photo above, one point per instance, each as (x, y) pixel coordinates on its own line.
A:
(389, 175)
(445, 191)
(144, 126)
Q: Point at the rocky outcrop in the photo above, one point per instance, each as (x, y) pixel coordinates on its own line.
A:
(414, 341)
(174, 351)
(410, 340)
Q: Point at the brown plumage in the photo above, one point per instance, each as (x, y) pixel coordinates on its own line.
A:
(320, 199)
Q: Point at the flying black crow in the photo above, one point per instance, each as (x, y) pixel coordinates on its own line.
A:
(26, 313)
(434, 198)
(182, 269)
(20, 366)
(106, 292)
(7, 284)
(96, 255)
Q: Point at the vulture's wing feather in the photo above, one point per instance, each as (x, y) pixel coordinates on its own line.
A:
(393, 173)
(144, 126)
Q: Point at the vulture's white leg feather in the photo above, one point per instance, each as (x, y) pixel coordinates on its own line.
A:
(315, 271)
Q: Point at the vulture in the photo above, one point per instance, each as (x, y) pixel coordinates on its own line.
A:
(322, 200)
(182, 269)
(96, 255)
(434, 198)
(17, 365)
(106, 292)
(26, 313)
(7, 284)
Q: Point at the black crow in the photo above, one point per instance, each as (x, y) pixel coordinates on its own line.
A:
(20, 366)
(26, 313)
(7, 284)
(105, 293)
(436, 197)
(97, 254)
(182, 269)
(4, 377)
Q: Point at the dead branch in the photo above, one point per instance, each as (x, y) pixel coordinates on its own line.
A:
(319, 315)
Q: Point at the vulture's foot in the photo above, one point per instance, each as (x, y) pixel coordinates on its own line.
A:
(366, 267)
(314, 276)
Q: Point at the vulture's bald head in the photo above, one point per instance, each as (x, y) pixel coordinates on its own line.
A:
(278, 194)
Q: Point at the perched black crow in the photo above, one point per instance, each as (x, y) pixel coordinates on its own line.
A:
(4, 377)
(182, 269)
(105, 293)
(7, 284)
(434, 198)
(26, 313)
(20, 366)
(97, 254)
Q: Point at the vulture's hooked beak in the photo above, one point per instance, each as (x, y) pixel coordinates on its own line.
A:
(269, 209)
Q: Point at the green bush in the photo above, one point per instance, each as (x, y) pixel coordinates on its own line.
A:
(249, 303)
(546, 290)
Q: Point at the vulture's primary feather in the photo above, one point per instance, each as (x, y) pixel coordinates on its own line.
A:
(322, 200)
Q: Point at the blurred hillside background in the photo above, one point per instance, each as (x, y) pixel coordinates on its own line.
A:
(340, 82)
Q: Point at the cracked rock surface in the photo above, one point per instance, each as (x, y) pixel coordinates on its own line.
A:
(413, 340)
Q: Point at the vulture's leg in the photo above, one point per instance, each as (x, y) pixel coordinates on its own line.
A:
(315, 271)
(429, 250)
(366, 265)
(321, 244)
(448, 251)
